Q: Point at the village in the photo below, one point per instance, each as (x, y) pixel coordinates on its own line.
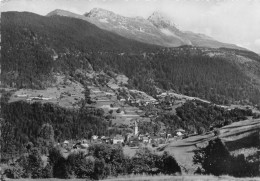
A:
(129, 141)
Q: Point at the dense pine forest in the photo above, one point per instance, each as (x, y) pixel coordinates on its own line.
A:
(213, 79)
(22, 123)
(30, 41)
(200, 117)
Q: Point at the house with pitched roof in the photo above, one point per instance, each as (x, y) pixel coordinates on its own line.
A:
(118, 139)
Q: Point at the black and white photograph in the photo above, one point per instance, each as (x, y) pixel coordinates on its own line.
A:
(130, 90)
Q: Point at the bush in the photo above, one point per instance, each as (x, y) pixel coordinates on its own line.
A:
(54, 155)
(227, 122)
(79, 166)
(168, 164)
(118, 110)
(14, 171)
(32, 164)
(35, 163)
(58, 163)
(216, 132)
(102, 161)
(112, 155)
(215, 159)
(242, 168)
(60, 169)
(47, 172)
(147, 162)
(201, 130)
(101, 169)
(256, 116)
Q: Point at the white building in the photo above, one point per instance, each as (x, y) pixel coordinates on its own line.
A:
(118, 139)
(94, 137)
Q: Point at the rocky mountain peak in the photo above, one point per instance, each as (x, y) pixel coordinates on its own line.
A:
(161, 20)
(99, 12)
(158, 29)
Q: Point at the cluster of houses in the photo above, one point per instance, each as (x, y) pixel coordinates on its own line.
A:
(131, 139)
(143, 99)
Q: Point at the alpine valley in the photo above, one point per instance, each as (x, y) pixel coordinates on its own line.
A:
(101, 73)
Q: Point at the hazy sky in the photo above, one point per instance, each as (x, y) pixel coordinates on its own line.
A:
(231, 21)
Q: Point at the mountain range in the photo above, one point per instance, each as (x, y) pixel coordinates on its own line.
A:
(158, 29)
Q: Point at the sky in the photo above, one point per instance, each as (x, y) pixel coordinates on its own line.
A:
(230, 21)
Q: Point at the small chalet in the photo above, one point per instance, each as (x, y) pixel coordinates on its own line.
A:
(179, 132)
(105, 139)
(118, 139)
(146, 139)
(94, 137)
(84, 144)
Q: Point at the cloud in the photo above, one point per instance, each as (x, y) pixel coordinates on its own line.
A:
(257, 42)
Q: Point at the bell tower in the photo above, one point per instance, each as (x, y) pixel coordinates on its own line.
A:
(136, 128)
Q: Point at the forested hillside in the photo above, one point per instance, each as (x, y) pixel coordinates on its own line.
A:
(210, 78)
(30, 43)
(35, 47)
(22, 123)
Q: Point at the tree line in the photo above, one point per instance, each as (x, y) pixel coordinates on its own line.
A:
(22, 123)
(216, 159)
(99, 162)
(197, 116)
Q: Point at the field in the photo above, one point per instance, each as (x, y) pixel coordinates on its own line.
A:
(243, 134)
(65, 93)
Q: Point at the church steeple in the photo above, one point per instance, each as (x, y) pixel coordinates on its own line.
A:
(136, 128)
